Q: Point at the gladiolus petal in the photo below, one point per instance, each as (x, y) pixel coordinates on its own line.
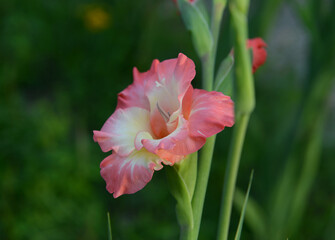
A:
(119, 131)
(211, 112)
(134, 95)
(179, 143)
(126, 175)
(167, 91)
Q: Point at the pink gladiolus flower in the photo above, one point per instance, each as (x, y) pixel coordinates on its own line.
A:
(259, 53)
(159, 119)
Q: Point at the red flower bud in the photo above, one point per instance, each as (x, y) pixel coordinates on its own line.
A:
(259, 53)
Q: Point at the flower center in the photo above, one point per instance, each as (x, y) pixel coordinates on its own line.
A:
(165, 115)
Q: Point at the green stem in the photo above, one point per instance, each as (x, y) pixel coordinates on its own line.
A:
(201, 185)
(186, 234)
(217, 11)
(231, 174)
(206, 154)
(245, 103)
(208, 71)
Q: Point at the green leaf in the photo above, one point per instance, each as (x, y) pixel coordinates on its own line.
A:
(109, 227)
(224, 77)
(254, 214)
(182, 178)
(195, 21)
(203, 9)
(240, 224)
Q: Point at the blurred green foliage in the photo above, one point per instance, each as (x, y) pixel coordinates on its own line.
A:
(62, 64)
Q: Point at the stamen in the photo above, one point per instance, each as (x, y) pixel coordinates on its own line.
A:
(163, 113)
(158, 84)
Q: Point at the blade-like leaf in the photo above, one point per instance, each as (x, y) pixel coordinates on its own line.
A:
(240, 224)
(254, 215)
(109, 227)
(223, 79)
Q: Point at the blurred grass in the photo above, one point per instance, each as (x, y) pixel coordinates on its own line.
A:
(59, 77)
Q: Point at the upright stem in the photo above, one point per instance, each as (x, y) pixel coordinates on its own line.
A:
(208, 71)
(186, 234)
(206, 154)
(217, 11)
(245, 102)
(231, 174)
(201, 185)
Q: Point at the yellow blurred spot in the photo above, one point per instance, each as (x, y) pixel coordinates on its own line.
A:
(96, 18)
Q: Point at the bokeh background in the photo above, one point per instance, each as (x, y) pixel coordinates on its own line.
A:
(62, 64)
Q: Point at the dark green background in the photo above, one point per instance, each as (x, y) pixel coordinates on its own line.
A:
(59, 81)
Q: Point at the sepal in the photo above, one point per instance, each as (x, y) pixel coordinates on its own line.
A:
(181, 179)
(195, 19)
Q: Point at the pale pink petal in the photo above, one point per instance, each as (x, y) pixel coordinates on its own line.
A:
(134, 95)
(187, 102)
(139, 137)
(119, 131)
(167, 91)
(168, 157)
(211, 112)
(176, 145)
(174, 79)
(126, 175)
